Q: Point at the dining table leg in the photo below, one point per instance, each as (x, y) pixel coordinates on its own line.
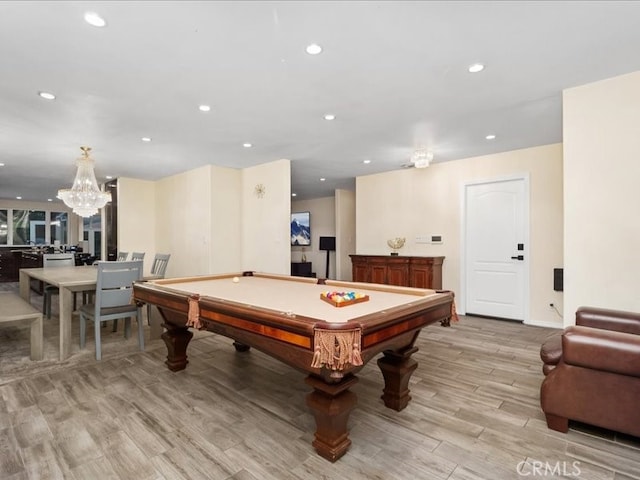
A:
(66, 311)
(25, 290)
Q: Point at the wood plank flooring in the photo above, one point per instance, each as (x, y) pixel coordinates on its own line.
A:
(474, 414)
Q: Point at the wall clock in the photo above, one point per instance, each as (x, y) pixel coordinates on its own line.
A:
(259, 190)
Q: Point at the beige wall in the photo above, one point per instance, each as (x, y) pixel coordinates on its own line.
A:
(345, 233)
(137, 218)
(183, 221)
(323, 224)
(226, 215)
(419, 202)
(265, 245)
(602, 194)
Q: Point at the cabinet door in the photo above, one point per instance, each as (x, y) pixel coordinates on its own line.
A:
(398, 275)
(426, 272)
(421, 276)
(378, 274)
(360, 272)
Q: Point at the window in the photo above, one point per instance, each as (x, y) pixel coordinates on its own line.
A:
(58, 226)
(29, 227)
(4, 228)
(33, 227)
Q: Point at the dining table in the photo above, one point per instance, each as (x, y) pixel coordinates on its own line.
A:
(69, 281)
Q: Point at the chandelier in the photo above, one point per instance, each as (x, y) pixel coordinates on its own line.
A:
(84, 197)
(421, 158)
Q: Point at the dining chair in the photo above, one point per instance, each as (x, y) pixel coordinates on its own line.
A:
(113, 300)
(122, 256)
(52, 260)
(159, 266)
(137, 256)
(158, 269)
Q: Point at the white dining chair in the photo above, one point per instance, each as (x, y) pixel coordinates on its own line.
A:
(159, 266)
(137, 256)
(112, 301)
(53, 260)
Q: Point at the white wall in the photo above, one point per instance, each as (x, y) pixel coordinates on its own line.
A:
(265, 244)
(602, 194)
(419, 202)
(183, 221)
(345, 233)
(137, 218)
(323, 224)
(226, 220)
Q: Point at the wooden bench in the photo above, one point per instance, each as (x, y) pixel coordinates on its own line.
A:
(14, 310)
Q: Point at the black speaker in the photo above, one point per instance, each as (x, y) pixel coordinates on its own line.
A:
(558, 279)
(328, 243)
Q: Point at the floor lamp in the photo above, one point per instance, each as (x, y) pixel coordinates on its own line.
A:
(328, 244)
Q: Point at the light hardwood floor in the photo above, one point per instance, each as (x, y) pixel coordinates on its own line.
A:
(474, 414)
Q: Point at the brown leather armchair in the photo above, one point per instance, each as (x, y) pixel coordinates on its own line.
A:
(593, 372)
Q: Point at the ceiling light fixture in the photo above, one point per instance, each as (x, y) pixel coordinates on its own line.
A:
(92, 18)
(367, 162)
(247, 145)
(314, 49)
(322, 179)
(421, 158)
(490, 137)
(18, 198)
(204, 108)
(47, 95)
(49, 199)
(476, 67)
(329, 116)
(146, 139)
(84, 197)
(294, 194)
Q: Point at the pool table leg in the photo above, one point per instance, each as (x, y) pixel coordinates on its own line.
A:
(241, 347)
(331, 404)
(397, 368)
(176, 338)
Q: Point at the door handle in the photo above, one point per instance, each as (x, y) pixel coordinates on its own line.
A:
(519, 257)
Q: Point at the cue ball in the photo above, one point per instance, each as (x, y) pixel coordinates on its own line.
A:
(236, 279)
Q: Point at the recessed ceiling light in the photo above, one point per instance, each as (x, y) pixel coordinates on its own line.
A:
(314, 49)
(49, 199)
(47, 95)
(247, 145)
(476, 67)
(366, 161)
(294, 194)
(18, 198)
(146, 139)
(329, 116)
(1, 164)
(204, 108)
(92, 18)
(109, 177)
(322, 179)
(490, 137)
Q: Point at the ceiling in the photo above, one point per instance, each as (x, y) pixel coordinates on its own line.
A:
(394, 74)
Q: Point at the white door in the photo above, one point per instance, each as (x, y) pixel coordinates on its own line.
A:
(495, 248)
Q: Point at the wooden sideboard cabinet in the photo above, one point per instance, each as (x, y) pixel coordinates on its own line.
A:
(419, 272)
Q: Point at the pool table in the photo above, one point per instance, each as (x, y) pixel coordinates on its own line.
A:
(286, 318)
